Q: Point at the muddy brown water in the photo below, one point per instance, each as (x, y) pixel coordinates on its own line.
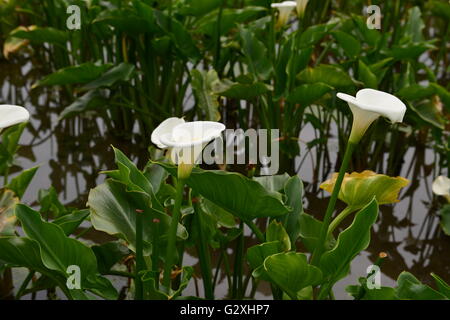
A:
(72, 153)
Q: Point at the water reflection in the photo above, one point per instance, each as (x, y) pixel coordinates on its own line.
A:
(71, 154)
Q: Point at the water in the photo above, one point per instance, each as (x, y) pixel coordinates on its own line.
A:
(72, 153)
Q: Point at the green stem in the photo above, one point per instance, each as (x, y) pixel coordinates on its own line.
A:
(5, 180)
(155, 253)
(120, 274)
(139, 257)
(203, 255)
(340, 217)
(24, 285)
(328, 214)
(324, 291)
(258, 233)
(239, 257)
(172, 235)
(218, 44)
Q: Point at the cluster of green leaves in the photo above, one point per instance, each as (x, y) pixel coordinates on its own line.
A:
(214, 211)
(45, 247)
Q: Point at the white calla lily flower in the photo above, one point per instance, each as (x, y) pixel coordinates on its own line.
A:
(11, 115)
(441, 187)
(301, 7)
(186, 140)
(369, 105)
(285, 9)
(165, 127)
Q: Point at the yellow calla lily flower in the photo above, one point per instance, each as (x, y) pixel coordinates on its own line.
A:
(358, 189)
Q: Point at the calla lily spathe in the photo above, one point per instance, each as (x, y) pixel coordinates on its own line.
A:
(185, 140)
(358, 189)
(11, 115)
(369, 105)
(285, 9)
(301, 7)
(441, 187)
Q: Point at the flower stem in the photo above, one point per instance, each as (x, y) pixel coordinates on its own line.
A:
(172, 236)
(255, 230)
(238, 262)
(138, 295)
(341, 216)
(328, 214)
(155, 252)
(203, 255)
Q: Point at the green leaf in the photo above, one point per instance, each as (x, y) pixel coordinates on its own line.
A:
(113, 210)
(440, 8)
(256, 54)
(409, 287)
(70, 222)
(314, 34)
(409, 50)
(129, 174)
(91, 100)
(366, 76)
(202, 84)
(430, 113)
(309, 231)
(230, 18)
(416, 92)
(276, 232)
(291, 272)
(348, 43)
(108, 254)
(223, 217)
(42, 34)
(199, 7)
(58, 252)
(414, 25)
(242, 91)
(121, 73)
(180, 36)
(21, 182)
(82, 73)
(306, 94)
(326, 74)
(132, 22)
(445, 219)
(9, 146)
(24, 252)
(239, 195)
(257, 254)
(156, 175)
(293, 189)
(50, 204)
(8, 201)
(12, 44)
(442, 286)
(335, 263)
(370, 36)
(273, 183)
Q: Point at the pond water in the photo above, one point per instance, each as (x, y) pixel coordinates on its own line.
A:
(72, 153)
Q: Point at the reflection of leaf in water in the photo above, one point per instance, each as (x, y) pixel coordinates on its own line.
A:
(7, 218)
